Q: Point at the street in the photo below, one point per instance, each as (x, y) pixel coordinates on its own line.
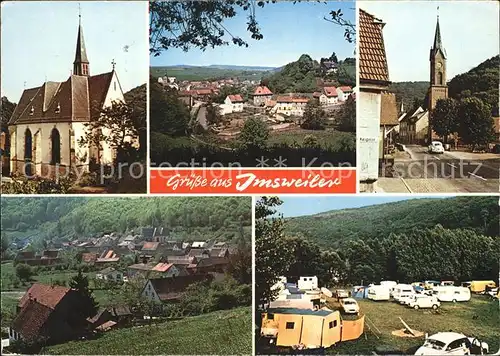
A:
(451, 172)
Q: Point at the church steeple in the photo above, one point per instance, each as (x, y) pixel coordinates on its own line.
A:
(438, 43)
(81, 63)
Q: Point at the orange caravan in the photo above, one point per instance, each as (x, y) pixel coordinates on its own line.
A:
(307, 328)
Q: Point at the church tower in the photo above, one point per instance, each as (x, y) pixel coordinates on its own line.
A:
(438, 89)
(437, 58)
(81, 63)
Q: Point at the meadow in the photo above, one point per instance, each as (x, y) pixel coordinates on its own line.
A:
(224, 332)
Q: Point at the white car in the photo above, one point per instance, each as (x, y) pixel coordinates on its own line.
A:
(424, 301)
(350, 306)
(450, 343)
(436, 147)
(406, 298)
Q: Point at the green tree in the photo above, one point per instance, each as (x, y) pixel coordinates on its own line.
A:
(212, 114)
(272, 254)
(444, 119)
(168, 114)
(310, 141)
(314, 116)
(5, 242)
(24, 272)
(88, 306)
(254, 134)
(476, 124)
(347, 116)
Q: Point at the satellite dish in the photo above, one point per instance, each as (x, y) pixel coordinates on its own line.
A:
(326, 292)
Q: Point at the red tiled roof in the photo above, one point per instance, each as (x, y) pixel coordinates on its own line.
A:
(203, 91)
(330, 91)
(284, 99)
(372, 57)
(150, 246)
(262, 90)
(89, 257)
(235, 98)
(31, 319)
(345, 89)
(300, 100)
(162, 267)
(48, 296)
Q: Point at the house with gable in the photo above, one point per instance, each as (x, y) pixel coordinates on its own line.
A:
(168, 290)
(235, 102)
(344, 92)
(329, 96)
(261, 95)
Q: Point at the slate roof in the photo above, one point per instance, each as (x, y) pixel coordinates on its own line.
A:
(78, 99)
(46, 295)
(372, 56)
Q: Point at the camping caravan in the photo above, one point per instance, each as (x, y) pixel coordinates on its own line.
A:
(480, 286)
(379, 293)
(452, 294)
(389, 284)
(402, 290)
(307, 283)
(431, 284)
(291, 327)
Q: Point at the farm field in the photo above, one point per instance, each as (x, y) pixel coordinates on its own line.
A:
(480, 317)
(334, 140)
(224, 332)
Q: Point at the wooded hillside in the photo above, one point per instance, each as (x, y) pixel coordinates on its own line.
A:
(69, 218)
(333, 228)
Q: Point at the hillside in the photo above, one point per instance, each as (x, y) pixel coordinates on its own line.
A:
(407, 92)
(208, 72)
(302, 76)
(219, 333)
(331, 229)
(481, 81)
(69, 218)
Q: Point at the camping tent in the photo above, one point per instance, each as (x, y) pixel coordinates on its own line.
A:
(360, 292)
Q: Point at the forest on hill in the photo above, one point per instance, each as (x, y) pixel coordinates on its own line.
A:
(333, 228)
(411, 94)
(480, 82)
(190, 218)
(302, 76)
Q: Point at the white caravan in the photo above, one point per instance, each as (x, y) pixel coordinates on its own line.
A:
(379, 293)
(307, 283)
(402, 290)
(452, 294)
(389, 284)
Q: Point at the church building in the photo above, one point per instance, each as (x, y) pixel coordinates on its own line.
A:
(438, 88)
(49, 121)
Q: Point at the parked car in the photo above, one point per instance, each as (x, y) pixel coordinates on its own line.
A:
(406, 298)
(436, 147)
(450, 343)
(341, 293)
(424, 301)
(350, 306)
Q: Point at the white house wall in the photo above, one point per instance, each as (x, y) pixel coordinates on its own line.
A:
(368, 135)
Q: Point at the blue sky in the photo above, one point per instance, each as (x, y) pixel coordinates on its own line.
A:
(297, 206)
(469, 30)
(39, 41)
(289, 30)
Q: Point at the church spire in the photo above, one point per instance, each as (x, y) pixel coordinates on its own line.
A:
(81, 63)
(438, 44)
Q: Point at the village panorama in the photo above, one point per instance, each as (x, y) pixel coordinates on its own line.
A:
(257, 105)
(377, 276)
(168, 275)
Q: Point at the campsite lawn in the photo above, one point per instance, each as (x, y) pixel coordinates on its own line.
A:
(480, 317)
(223, 333)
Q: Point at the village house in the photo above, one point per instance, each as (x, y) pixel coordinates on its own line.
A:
(46, 258)
(344, 92)
(290, 106)
(161, 234)
(388, 121)
(373, 82)
(329, 96)
(199, 244)
(49, 121)
(414, 127)
(162, 290)
(181, 260)
(186, 96)
(199, 253)
(235, 102)
(261, 95)
(219, 252)
(165, 270)
(111, 317)
(107, 256)
(110, 274)
(139, 269)
(213, 264)
(48, 314)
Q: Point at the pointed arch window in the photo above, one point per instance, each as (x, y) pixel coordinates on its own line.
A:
(56, 146)
(440, 78)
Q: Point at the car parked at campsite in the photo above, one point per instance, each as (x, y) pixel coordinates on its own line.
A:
(349, 306)
(436, 147)
(406, 298)
(421, 301)
(451, 343)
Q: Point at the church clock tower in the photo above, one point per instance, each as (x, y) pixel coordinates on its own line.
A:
(438, 88)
